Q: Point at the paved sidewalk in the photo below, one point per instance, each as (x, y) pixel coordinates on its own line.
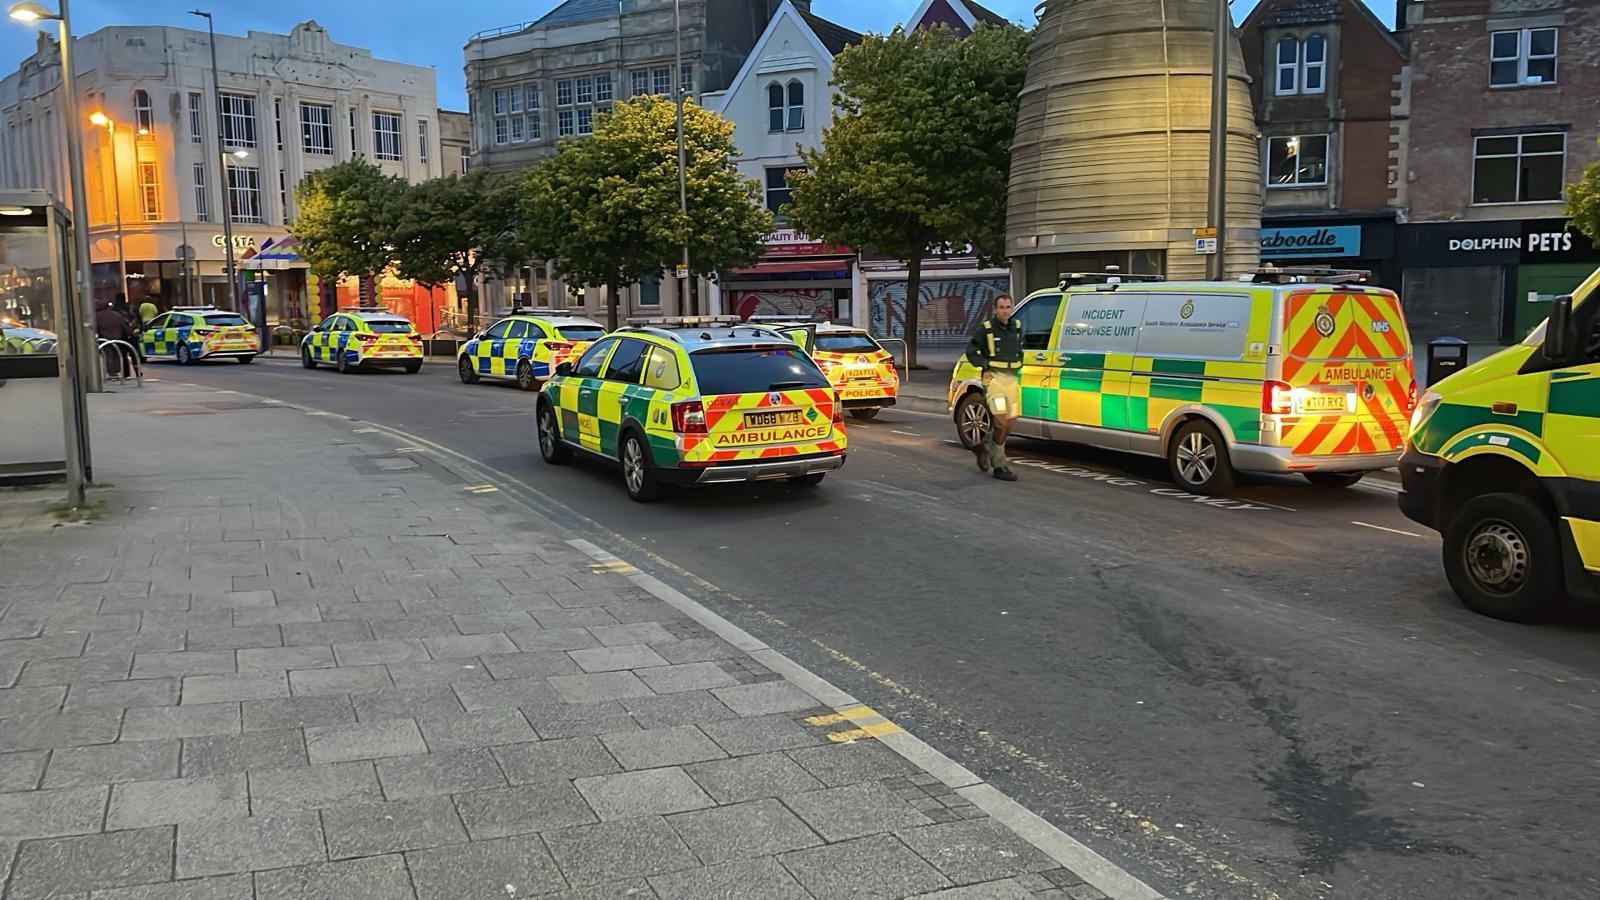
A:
(299, 660)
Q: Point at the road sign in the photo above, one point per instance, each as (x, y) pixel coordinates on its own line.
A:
(1205, 232)
(1205, 246)
(683, 272)
(185, 251)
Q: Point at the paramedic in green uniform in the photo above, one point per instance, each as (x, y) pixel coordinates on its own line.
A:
(996, 348)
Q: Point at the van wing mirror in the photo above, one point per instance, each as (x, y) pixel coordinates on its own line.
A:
(1559, 341)
(564, 369)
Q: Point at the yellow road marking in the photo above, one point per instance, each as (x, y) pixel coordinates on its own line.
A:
(618, 566)
(866, 731)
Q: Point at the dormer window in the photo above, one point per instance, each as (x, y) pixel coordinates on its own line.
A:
(1301, 65)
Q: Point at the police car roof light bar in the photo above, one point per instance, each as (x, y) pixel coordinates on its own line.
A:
(371, 309)
(686, 321)
(544, 311)
(1270, 274)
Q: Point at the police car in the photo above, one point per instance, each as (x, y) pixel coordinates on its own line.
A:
(189, 334)
(694, 400)
(526, 346)
(363, 336)
(856, 365)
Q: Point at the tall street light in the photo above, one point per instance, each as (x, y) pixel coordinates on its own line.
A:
(80, 369)
(684, 287)
(1217, 205)
(110, 125)
(222, 169)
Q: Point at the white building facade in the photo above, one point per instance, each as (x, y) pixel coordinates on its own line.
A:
(289, 105)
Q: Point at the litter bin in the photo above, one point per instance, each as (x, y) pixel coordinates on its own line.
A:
(1446, 356)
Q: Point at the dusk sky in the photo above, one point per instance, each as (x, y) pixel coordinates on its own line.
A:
(412, 30)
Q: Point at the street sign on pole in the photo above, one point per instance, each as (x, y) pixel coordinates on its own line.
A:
(1205, 241)
(683, 272)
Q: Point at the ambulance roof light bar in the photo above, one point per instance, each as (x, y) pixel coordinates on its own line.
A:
(1107, 280)
(1270, 274)
(365, 308)
(687, 321)
(206, 308)
(544, 311)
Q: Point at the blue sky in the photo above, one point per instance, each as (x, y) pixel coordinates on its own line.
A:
(410, 30)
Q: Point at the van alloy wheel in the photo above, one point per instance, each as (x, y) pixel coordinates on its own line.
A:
(1197, 458)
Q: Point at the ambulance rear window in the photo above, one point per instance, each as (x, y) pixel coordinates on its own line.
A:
(846, 343)
(224, 319)
(581, 332)
(389, 326)
(755, 370)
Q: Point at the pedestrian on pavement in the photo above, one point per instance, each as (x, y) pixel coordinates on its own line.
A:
(135, 325)
(996, 348)
(148, 311)
(112, 325)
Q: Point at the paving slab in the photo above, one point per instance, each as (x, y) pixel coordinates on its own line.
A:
(837, 765)
(753, 879)
(615, 659)
(657, 747)
(357, 679)
(284, 659)
(427, 703)
(391, 827)
(44, 699)
(364, 740)
(141, 804)
(765, 698)
(297, 712)
(53, 812)
(682, 708)
(762, 734)
(510, 867)
(556, 760)
(112, 763)
(64, 867)
(220, 754)
(564, 720)
(437, 774)
(225, 846)
(752, 777)
(871, 868)
(224, 688)
(484, 728)
(651, 792)
(40, 730)
(219, 887)
(122, 694)
(599, 687)
(373, 878)
(990, 890)
(156, 723)
(22, 771)
(854, 811)
(974, 851)
(536, 664)
(522, 809)
(742, 831)
(610, 851)
(698, 676)
(274, 791)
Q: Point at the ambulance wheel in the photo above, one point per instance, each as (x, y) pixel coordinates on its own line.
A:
(1503, 557)
(550, 446)
(1198, 459)
(185, 355)
(638, 473)
(413, 368)
(864, 414)
(972, 419)
(246, 360)
(1335, 480)
(305, 358)
(464, 368)
(525, 379)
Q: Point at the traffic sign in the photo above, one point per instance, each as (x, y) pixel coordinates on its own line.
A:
(1205, 246)
(683, 272)
(1205, 232)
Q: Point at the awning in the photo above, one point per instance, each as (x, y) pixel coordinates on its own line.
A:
(276, 255)
(790, 266)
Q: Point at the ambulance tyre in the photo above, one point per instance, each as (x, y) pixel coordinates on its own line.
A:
(1503, 557)
(305, 357)
(638, 473)
(525, 379)
(185, 356)
(972, 419)
(246, 360)
(865, 415)
(1198, 459)
(1335, 480)
(413, 368)
(464, 368)
(551, 448)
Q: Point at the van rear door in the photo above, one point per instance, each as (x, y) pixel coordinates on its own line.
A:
(1348, 364)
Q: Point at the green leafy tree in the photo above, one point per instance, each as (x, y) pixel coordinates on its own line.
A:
(605, 208)
(920, 151)
(1583, 203)
(458, 226)
(347, 216)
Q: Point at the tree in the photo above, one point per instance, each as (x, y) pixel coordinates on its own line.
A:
(605, 208)
(920, 151)
(347, 215)
(458, 226)
(1583, 203)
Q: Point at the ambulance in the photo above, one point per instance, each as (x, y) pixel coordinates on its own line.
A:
(1504, 462)
(1287, 371)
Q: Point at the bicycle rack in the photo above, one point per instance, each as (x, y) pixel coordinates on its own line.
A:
(272, 340)
(455, 340)
(129, 358)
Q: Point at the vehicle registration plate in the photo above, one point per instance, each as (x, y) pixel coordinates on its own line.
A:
(1324, 403)
(767, 419)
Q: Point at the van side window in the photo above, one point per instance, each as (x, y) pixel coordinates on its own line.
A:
(589, 365)
(1102, 322)
(1195, 326)
(1038, 318)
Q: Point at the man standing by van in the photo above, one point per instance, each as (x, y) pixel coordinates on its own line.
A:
(996, 348)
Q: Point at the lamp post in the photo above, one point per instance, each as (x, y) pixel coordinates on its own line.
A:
(222, 163)
(1217, 205)
(683, 159)
(80, 369)
(110, 125)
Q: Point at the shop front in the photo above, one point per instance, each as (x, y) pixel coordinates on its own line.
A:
(797, 276)
(956, 294)
(1336, 242)
(1488, 282)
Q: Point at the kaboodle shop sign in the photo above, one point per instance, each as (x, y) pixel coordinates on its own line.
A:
(1323, 241)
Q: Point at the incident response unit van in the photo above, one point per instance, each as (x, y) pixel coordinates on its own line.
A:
(1505, 463)
(1286, 371)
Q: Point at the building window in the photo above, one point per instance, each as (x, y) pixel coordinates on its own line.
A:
(1288, 66)
(422, 141)
(1518, 168)
(564, 93)
(1313, 69)
(149, 193)
(283, 196)
(604, 90)
(386, 136)
(1526, 56)
(586, 89)
(534, 105)
(775, 107)
(797, 106)
(196, 119)
(686, 79)
(144, 116)
(277, 120)
(466, 160)
(564, 123)
(316, 128)
(244, 194)
(585, 121)
(778, 188)
(1298, 161)
(641, 82)
(202, 198)
(355, 143)
(661, 81)
(1301, 66)
(238, 120)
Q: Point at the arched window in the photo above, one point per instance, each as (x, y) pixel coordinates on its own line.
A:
(775, 107)
(1314, 67)
(144, 118)
(1288, 67)
(797, 106)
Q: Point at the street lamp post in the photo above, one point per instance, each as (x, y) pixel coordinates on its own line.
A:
(683, 157)
(1216, 264)
(110, 125)
(222, 168)
(80, 369)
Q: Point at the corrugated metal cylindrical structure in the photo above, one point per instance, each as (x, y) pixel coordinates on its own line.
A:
(1109, 164)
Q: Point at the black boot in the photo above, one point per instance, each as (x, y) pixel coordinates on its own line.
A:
(1005, 474)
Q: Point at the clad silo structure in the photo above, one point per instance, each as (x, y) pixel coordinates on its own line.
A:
(1110, 160)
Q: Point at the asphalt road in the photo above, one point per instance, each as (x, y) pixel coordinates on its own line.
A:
(1271, 696)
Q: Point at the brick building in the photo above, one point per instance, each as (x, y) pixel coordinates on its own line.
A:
(1327, 85)
(1504, 113)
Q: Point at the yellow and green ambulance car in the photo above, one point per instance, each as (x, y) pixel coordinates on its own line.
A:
(696, 400)
(1504, 462)
(525, 347)
(1290, 371)
(363, 337)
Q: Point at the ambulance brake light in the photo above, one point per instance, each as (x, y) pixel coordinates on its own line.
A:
(1411, 397)
(689, 417)
(1277, 398)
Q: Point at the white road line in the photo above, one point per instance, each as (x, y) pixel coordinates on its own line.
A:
(906, 433)
(1391, 530)
(1387, 488)
(917, 412)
